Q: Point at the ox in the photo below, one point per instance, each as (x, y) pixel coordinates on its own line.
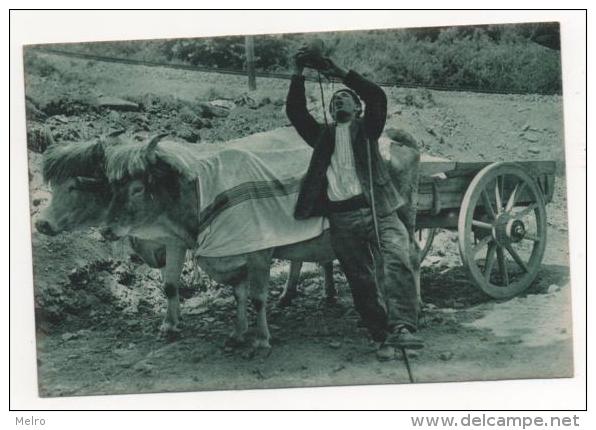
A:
(155, 199)
(80, 198)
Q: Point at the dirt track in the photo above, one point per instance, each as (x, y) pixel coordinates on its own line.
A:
(98, 311)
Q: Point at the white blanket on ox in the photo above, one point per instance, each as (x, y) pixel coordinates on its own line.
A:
(248, 190)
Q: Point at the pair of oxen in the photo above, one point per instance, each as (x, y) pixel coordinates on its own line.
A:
(138, 189)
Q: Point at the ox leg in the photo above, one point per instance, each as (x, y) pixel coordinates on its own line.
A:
(258, 277)
(290, 289)
(331, 293)
(238, 336)
(175, 257)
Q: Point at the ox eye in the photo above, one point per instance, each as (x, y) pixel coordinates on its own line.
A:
(136, 190)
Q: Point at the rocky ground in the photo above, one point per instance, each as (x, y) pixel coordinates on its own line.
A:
(98, 310)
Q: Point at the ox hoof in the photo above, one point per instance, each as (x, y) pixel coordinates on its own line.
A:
(333, 306)
(331, 300)
(258, 352)
(286, 299)
(169, 331)
(235, 341)
(261, 343)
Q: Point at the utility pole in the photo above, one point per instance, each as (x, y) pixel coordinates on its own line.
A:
(249, 45)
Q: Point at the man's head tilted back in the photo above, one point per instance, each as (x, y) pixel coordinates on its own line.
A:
(345, 106)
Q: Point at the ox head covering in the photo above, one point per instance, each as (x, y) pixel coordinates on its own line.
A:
(61, 162)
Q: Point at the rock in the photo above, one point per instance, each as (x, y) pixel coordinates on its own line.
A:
(412, 353)
(338, 368)
(264, 101)
(526, 127)
(120, 351)
(187, 133)
(335, 344)
(433, 259)
(446, 356)
(530, 138)
(33, 112)
(143, 367)
(533, 150)
(68, 336)
(117, 104)
(212, 111)
(226, 104)
(60, 118)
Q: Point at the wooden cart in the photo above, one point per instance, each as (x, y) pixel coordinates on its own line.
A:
(498, 210)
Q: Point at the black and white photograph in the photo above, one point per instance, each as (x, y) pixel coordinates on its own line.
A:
(300, 209)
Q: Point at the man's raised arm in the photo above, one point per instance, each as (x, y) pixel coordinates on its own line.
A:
(306, 126)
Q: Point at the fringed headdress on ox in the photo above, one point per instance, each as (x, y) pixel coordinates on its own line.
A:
(86, 159)
(61, 162)
(136, 158)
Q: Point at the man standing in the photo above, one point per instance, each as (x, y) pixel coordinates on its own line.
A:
(345, 178)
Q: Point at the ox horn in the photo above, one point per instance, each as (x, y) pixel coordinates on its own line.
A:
(49, 137)
(152, 145)
(108, 138)
(116, 133)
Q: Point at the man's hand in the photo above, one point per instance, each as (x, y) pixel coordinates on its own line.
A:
(311, 55)
(332, 69)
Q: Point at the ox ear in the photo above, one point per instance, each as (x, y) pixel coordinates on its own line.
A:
(113, 136)
(150, 149)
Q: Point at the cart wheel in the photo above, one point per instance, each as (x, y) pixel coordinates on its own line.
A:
(502, 220)
(425, 237)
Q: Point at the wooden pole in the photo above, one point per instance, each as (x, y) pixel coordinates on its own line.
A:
(249, 44)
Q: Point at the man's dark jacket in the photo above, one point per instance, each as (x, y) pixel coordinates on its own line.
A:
(313, 200)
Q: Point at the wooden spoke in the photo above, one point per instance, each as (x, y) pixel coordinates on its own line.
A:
(501, 179)
(521, 263)
(502, 265)
(490, 260)
(498, 197)
(514, 195)
(531, 237)
(488, 206)
(525, 211)
(481, 244)
(481, 224)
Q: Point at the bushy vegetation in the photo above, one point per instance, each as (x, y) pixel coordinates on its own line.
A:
(519, 58)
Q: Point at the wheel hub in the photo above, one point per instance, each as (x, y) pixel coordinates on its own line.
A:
(516, 230)
(507, 229)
